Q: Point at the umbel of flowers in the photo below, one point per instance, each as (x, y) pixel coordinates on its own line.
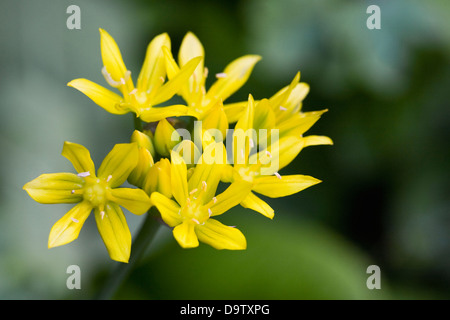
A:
(179, 153)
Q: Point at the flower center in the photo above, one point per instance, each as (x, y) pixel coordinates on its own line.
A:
(95, 191)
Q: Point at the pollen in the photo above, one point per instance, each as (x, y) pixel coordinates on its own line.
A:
(74, 220)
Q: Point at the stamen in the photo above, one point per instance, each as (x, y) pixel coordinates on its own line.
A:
(84, 174)
(204, 185)
(193, 191)
(74, 220)
(195, 220)
(205, 72)
(203, 90)
(210, 212)
(278, 175)
(221, 75)
(188, 202)
(214, 199)
(282, 108)
(268, 154)
(162, 79)
(109, 178)
(102, 214)
(252, 144)
(242, 153)
(109, 79)
(72, 192)
(133, 91)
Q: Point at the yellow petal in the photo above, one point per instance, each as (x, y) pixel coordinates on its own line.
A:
(55, 188)
(68, 227)
(317, 140)
(154, 68)
(178, 176)
(111, 56)
(299, 123)
(255, 203)
(281, 186)
(191, 48)
(185, 235)
(113, 229)
(235, 76)
(134, 200)
(216, 119)
(79, 156)
(220, 236)
(154, 114)
(234, 110)
(174, 85)
(119, 163)
(188, 151)
(103, 97)
(168, 208)
(230, 198)
(208, 170)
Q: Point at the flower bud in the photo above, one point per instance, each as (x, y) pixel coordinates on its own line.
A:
(158, 178)
(166, 137)
(145, 160)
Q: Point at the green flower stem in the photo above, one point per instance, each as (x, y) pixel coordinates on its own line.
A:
(140, 244)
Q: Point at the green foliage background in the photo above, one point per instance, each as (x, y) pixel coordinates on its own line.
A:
(384, 198)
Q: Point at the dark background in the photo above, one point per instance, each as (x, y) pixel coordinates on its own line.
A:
(384, 198)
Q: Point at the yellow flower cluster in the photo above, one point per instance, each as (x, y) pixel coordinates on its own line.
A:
(179, 154)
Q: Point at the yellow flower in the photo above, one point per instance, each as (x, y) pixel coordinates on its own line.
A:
(195, 203)
(151, 89)
(200, 100)
(93, 192)
(260, 168)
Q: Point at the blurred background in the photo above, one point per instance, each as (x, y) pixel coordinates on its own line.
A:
(384, 199)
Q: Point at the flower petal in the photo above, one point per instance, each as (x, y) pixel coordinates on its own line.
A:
(281, 186)
(79, 156)
(190, 48)
(299, 123)
(113, 229)
(220, 236)
(317, 140)
(185, 235)
(111, 56)
(68, 228)
(119, 163)
(174, 85)
(55, 188)
(103, 97)
(153, 114)
(236, 74)
(153, 68)
(234, 110)
(255, 203)
(178, 176)
(168, 208)
(230, 198)
(134, 200)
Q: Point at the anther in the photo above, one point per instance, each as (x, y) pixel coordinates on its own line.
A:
(221, 75)
(102, 214)
(195, 220)
(268, 154)
(282, 108)
(193, 191)
(210, 212)
(278, 175)
(162, 79)
(109, 79)
(109, 178)
(74, 220)
(204, 185)
(72, 192)
(133, 91)
(84, 174)
(214, 199)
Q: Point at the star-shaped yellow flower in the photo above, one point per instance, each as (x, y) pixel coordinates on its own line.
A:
(195, 203)
(260, 167)
(200, 100)
(151, 89)
(93, 192)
